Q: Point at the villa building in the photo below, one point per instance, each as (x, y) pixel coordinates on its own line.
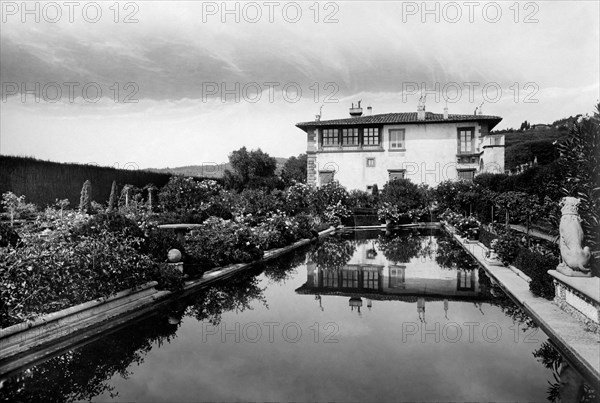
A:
(424, 147)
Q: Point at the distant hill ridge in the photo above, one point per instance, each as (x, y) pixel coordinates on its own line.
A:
(209, 170)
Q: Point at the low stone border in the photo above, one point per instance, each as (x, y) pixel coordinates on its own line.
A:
(69, 326)
(580, 297)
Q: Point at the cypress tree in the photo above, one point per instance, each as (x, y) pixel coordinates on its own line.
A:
(113, 200)
(85, 201)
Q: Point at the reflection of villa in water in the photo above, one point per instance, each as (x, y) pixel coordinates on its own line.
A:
(370, 275)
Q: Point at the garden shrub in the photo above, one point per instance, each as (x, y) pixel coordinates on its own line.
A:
(331, 197)
(221, 242)
(8, 236)
(486, 237)
(507, 246)
(113, 222)
(299, 197)
(168, 278)
(359, 199)
(46, 275)
(536, 266)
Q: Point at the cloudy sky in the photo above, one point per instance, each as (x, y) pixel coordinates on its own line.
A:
(164, 74)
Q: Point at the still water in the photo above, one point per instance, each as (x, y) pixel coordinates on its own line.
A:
(360, 317)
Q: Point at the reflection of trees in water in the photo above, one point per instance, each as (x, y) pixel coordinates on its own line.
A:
(84, 373)
(281, 269)
(333, 253)
(552, 359)
(400, 248)
(449, 255)
(235, 294)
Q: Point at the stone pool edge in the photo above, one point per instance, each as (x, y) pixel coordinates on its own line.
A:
(581, 346)
(69, 326)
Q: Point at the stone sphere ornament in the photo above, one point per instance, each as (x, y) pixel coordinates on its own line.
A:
(174, 256)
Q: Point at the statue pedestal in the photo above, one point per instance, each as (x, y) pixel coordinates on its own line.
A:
(580, 297)
(567, 271)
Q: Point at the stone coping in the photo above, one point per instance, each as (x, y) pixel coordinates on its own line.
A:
(588, 286)
(579, 347)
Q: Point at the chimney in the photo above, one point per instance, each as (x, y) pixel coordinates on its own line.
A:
(369, 111)
(356, 112)
(446, 112)
(421, 108)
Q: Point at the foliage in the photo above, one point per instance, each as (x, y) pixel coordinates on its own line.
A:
(46, 275)
(218, 242)
(113, 200)
(85, 201)
(251, 169)
(361, 199)
(8, 236)
(276, 230)
(468, 227)
(400, 248)
(536, 266)
(234, 295)
(449, 255)
(187, 199)
(508, 246)
(299, 197)
(16, 208)
(333, 253)
(260, 202)
(328, 195)
(580, 160)
(168, 277)
(406, 196)
(294, 170)
(388, 211)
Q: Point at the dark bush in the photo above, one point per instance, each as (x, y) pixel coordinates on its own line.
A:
(8, 236)
(536, 266)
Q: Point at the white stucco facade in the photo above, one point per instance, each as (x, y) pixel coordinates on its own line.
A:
(431, 152)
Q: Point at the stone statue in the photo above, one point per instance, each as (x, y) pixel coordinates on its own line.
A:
(574, 257)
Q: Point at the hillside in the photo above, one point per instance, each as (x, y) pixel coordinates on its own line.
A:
(524, 146)
(207, 170)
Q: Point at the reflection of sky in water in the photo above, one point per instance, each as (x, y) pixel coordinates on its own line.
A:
(370, 360)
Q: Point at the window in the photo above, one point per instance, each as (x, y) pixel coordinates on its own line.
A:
(466, 141)
(497, 141)
(467, 174)
(350, 137)
(397, 174)
(371, 136)
(325, 177)
(330, 137)
(370, 162)
(397, 139)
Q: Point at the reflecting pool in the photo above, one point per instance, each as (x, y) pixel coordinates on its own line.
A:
(359, 317)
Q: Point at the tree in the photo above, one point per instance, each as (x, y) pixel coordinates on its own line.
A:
(85, 201)
(580, 161)
(251, 169)
(294, 169)
(113, 200)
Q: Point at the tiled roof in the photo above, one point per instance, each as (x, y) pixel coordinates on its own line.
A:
(402, 117)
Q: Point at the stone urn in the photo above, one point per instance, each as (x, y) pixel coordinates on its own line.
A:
(574, 257)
